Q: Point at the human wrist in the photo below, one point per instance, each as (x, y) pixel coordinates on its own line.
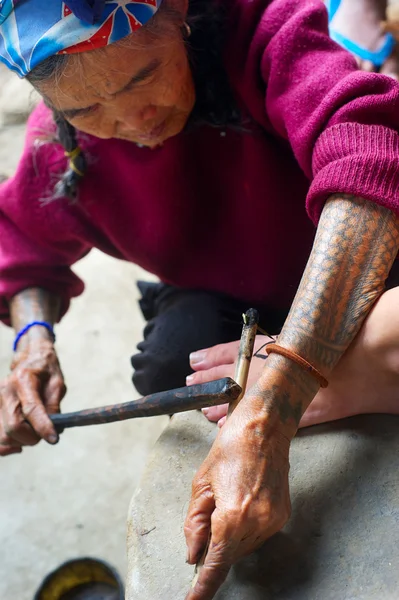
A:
(282, 395)
(33, 313)
(32, 335)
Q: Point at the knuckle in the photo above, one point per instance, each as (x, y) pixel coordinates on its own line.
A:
(22, 373)
(200, 485)
(31, 409)
(50, 360)
(272, 518)
(234, 517)
(58, 381)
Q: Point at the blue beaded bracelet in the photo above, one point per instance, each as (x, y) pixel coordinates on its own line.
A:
(28, 326)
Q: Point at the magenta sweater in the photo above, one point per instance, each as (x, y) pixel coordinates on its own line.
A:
(217, 210)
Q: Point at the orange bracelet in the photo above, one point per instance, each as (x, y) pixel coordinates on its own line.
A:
(299, 361)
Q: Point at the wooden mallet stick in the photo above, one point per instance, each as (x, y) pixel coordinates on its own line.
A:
(170, 402)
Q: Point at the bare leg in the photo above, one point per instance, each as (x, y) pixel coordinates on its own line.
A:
(366, 380)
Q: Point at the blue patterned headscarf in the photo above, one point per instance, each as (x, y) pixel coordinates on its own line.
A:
(33, 30)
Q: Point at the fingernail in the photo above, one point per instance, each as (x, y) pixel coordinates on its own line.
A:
(188, 557)
(205, 411)
(197, 357)
(189, 379)
(53, 438)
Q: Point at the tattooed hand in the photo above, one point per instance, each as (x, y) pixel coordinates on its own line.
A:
(241, 492)
(35, 386)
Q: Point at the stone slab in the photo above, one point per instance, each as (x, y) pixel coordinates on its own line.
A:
(341, 542)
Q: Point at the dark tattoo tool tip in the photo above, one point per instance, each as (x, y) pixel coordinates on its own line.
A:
(251, 318)
(212, 393)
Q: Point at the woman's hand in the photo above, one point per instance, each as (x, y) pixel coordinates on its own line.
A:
(32, 391)
(220, 361)
(240, 494)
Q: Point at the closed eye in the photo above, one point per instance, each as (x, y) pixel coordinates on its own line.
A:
(80, 112)
(142, 76)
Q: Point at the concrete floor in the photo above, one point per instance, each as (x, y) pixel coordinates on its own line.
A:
(71, 500)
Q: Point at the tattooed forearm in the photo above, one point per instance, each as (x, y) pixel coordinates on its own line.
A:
(355, 246)
(34, 304)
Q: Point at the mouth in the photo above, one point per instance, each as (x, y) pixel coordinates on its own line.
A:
(153, 134)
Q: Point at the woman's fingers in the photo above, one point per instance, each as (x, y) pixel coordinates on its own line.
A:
(198, 520)
(8, 449)
(27, 386)
(213, 573)
(222, 354)
(15, 430)
(227, 370)
(53, 393)
(7, 444)
(222, 422)
(217, 355)
(211, 374)
(216, 413)
(227, 544)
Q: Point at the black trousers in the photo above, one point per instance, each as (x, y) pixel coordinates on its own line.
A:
(180, 321)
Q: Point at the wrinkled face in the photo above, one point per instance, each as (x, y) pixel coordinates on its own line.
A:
(139, 90)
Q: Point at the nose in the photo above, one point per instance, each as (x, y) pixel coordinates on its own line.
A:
(148, 113)
(134, 119)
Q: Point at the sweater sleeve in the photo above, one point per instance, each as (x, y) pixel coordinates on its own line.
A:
(32, 251)
(341, 123)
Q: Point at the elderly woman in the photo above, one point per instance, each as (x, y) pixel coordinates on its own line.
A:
(191, 138)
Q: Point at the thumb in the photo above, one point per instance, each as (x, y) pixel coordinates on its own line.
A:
(198, 521)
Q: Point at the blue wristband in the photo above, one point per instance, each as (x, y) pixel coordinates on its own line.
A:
(33, 324)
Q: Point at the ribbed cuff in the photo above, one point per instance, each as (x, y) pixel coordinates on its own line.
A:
(351, 158)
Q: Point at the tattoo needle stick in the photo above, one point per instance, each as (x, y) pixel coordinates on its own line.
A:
(245, 353)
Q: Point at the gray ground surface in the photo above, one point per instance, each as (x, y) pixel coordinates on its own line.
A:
(72, 500)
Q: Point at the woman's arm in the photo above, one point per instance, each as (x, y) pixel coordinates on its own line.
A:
(355, 246)
(35, 386)
(243, 484)
(34, 304)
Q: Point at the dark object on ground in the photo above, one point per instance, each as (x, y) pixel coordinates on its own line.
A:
(82, 579)
(96, 591)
